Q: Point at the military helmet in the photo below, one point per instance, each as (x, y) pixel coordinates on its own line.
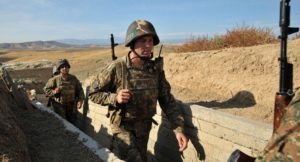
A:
(55, 71)
(62, 62)
(138, 29)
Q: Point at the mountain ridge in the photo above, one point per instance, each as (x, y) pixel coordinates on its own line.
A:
(72, 43)
(35, 45)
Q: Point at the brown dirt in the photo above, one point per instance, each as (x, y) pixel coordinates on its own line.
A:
(28, 134)
(241, 81)
(48, 139)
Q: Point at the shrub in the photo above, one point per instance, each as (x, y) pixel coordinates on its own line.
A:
(238, 37)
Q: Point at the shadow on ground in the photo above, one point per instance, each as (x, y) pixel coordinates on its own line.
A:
(242, 99)
(167, 145)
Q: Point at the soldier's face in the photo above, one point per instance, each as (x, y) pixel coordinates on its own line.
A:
(64, 69)
(144, 46)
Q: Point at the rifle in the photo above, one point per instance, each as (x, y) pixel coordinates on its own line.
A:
(112, 45)
(285, 94)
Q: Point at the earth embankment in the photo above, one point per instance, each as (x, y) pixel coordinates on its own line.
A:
(242, 81)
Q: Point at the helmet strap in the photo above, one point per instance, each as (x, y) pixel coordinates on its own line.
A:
(139, 56)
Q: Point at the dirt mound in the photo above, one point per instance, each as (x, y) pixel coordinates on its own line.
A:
(242, 81)
(13, 142)
(49, 141)
(31, 135)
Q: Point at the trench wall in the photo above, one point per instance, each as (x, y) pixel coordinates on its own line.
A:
(213, 134)
(13, 142)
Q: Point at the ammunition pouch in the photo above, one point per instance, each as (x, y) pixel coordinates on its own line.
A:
(67, 93)
(67, 96)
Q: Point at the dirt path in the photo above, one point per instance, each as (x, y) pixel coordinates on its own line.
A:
(48, 139)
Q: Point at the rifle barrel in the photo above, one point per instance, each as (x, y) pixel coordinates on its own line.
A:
(286, 69)
(112, 45)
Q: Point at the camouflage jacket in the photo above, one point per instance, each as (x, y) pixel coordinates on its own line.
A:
(71, 89)
(148, 86)
(285, 142)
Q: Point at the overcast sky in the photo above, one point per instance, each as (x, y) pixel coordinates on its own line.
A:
(32, 20)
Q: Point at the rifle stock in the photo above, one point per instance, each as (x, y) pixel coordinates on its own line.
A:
(239, 156)
(281, 102)
(285, 94)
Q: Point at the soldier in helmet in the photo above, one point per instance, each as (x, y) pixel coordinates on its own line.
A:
(66, 91)
(131, 87)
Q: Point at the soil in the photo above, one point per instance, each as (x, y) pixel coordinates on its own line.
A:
(28, 134)
(48, 139)
(242, 81)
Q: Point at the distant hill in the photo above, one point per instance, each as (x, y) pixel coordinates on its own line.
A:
(89, 42)
(35, 45)
(73, 43)
(106, 42)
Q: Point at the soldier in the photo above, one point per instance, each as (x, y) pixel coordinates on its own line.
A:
(54, 73)
(131, 87)
(285, 142)
(66, 91)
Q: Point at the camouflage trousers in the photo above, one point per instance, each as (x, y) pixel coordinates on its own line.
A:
(66, 111)
(130, 140)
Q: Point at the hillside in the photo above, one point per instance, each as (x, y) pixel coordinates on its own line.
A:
(34, 45)
(241, 81)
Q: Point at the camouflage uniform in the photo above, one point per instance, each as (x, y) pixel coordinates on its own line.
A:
(65, 103)
(131, 123)
(285, 143)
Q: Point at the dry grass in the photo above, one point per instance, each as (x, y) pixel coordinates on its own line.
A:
(238, 37)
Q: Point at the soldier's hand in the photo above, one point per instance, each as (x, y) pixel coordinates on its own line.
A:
(56, 91)
(182, 141)
(123, 96)
(79, 104)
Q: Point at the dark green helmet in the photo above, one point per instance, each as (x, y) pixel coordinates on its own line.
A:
(62, 62)
(55, 71)
(138, 29)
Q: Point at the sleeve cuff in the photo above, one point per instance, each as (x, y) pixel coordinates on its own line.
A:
(113, 99)
(179, 130)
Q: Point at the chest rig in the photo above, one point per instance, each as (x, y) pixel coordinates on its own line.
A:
(144, 85)
(67, 91)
